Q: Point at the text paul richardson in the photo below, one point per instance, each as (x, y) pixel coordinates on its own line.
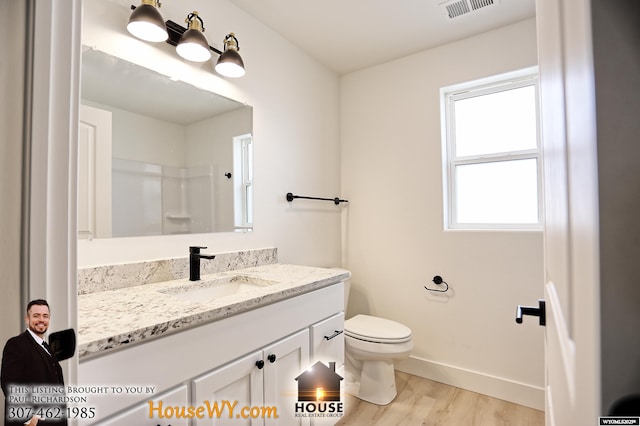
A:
(211, 409)
(41, 394)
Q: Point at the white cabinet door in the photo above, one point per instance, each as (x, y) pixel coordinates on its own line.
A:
(139, 414)
(327, 340)
(264, 378)
(232, 387)
(327, 345)
(284, 361)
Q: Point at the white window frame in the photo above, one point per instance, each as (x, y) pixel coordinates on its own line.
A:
(243, 182)
(448, 95)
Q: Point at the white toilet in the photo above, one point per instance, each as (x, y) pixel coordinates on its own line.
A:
(372, 344)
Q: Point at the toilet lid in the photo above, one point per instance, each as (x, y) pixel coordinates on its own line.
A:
(374, 329)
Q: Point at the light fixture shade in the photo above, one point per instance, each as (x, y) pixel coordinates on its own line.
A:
(230, 63)
(193, 45)
(146, 23)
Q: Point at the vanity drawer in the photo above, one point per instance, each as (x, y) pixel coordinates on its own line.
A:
(327, 340)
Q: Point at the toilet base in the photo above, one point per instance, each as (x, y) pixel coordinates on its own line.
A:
(377, 383)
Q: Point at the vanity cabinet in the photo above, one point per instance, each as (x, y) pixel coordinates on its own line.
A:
(260, 379)
(217, 362)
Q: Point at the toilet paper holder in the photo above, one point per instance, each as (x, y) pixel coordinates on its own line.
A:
(438, 280)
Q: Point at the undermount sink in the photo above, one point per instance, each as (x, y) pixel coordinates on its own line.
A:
(206, 290)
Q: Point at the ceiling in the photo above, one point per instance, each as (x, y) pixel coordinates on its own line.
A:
(348, 35)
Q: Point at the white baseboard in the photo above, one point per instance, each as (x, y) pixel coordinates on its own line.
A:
(497, 387)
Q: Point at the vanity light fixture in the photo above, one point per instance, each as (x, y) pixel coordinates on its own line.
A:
(146, 23)
(229, 62)
(191, 44)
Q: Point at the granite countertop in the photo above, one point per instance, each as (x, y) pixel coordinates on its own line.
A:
(111, 319)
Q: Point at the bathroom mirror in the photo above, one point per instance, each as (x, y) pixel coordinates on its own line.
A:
(159, 156)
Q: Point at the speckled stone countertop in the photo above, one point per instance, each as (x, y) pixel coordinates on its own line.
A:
(111, 319)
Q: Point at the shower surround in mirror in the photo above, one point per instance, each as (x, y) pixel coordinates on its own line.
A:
(154, 199)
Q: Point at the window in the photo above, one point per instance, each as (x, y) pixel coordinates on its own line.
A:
(492, 154)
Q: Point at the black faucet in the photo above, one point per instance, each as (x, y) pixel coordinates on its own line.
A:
(194, 262)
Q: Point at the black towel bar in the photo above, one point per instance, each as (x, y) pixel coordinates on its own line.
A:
(291, 197)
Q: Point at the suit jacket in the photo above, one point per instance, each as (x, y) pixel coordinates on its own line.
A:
(25, 362)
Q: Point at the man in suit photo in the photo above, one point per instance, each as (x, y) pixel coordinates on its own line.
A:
(31, 376)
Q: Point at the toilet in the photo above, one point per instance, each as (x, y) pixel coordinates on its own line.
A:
(372, 344)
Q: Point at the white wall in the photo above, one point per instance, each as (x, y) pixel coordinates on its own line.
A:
(37, 242)
(295, 128)
(12, 139)
(394, 238)
(145, 139)
(12, 83)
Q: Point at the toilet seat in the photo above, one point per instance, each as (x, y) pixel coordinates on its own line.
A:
(377, 330)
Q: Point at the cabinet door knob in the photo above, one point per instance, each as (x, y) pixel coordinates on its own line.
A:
(272, 358)
(260, 364)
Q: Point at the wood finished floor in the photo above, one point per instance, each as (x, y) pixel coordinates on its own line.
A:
(425, 402)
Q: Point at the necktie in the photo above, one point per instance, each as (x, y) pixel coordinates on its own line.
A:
(47, 347)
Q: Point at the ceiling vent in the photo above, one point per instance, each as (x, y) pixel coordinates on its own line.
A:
(456, 8)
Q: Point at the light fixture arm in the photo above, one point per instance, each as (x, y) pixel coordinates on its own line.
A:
(231, 38)
(191, 17)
